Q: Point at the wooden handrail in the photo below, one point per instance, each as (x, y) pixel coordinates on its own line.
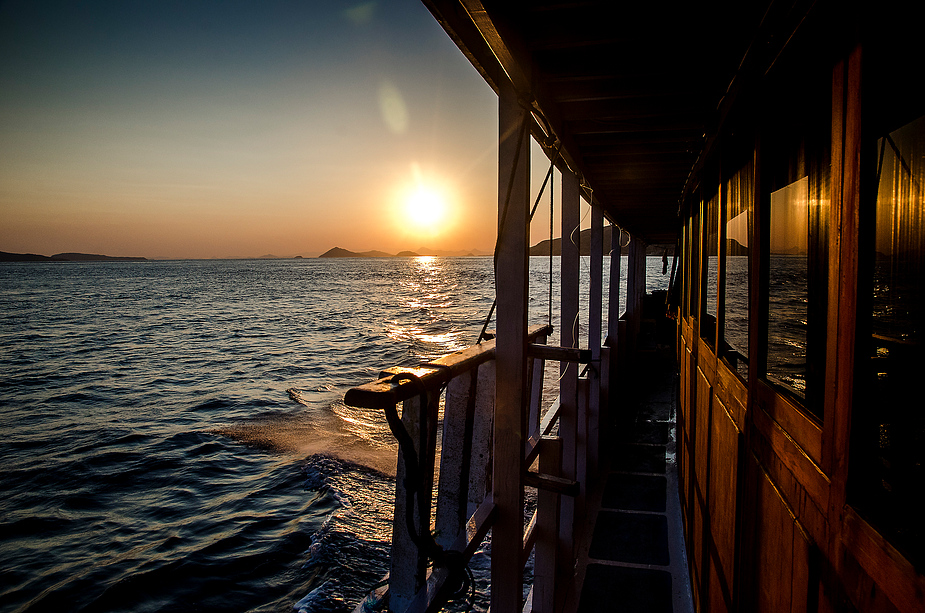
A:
(383, 393)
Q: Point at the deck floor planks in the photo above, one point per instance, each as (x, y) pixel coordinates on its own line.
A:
(635, 560)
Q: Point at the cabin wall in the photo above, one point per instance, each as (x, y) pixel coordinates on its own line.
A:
(772, 522)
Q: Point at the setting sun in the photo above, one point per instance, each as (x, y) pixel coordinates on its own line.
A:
(426, 208)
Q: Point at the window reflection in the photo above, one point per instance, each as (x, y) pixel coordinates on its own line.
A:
(787, 312)
(797, 287)
(710, 271)
(888, 448)
(738, 227)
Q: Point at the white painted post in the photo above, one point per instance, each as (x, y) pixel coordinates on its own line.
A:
(570, 268)
(454, 463)
(482, 423)
(511, 283)
(408, 566)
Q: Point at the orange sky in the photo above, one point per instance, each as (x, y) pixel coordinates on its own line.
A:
(234, 130)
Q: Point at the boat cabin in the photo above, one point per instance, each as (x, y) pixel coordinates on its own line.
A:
(780, 148)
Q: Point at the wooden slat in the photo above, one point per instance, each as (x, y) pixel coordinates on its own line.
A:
(785, 448)
(482, 425)
(452, 490)
(560, 354)
(547, 528)
(559, 485)
(895, 575)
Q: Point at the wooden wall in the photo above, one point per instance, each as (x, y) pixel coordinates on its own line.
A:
(763, 484)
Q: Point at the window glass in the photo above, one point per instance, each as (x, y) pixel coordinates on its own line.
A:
(798, 274)
(737, 222)
(888, 430)
(710, 263)
(787, 312)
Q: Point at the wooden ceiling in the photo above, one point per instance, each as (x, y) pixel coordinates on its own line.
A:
(632, 91)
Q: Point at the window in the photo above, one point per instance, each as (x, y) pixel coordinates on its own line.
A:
(888, 428)
(796, 212)
(710, 271)
(737, 224)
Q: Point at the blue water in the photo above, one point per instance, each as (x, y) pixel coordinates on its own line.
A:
(174, 436)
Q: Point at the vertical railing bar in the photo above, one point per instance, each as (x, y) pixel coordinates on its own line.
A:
(543, 594)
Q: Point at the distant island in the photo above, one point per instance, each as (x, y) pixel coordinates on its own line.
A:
(338, 252)
(539, 249)
(64, 257)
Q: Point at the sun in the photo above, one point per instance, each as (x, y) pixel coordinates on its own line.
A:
(425, 208)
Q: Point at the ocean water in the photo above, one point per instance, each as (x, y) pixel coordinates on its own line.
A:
(174, 436)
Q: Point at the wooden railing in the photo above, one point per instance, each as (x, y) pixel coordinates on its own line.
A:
(422, 575)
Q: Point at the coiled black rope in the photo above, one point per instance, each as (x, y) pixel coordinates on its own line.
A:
(459, 576)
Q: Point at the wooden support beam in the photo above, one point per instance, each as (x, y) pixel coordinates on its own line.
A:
(635, 290)
(561, 354)
(570, 264)
(595, 314)
(511, 274)
(610, 370)
(551, 483)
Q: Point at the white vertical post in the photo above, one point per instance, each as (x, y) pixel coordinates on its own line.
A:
(458, 416)
(408, 564)
(568, 371)
(511, 283)
(482, 423)
(595, 311)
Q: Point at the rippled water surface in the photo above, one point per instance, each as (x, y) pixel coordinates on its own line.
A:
(174, 436)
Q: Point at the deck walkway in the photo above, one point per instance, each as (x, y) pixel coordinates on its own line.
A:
(635, 560)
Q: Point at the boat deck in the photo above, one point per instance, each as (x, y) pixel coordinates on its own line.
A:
(635, 560)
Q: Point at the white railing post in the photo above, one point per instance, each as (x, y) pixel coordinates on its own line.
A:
(408, 570)
(452, 491)
(482, 424)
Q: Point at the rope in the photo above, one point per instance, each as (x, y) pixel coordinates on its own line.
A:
(460, 580)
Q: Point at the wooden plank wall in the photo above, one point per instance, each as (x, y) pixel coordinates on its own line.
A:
(762, 484)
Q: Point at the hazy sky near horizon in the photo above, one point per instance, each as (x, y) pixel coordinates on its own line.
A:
(201, 129)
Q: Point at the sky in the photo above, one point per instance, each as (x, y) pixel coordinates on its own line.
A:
(202, 129)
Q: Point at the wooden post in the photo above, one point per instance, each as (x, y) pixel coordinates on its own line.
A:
(613, 318)
(635, 290)
(595, 312)
(568, 372)
(511, 283)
